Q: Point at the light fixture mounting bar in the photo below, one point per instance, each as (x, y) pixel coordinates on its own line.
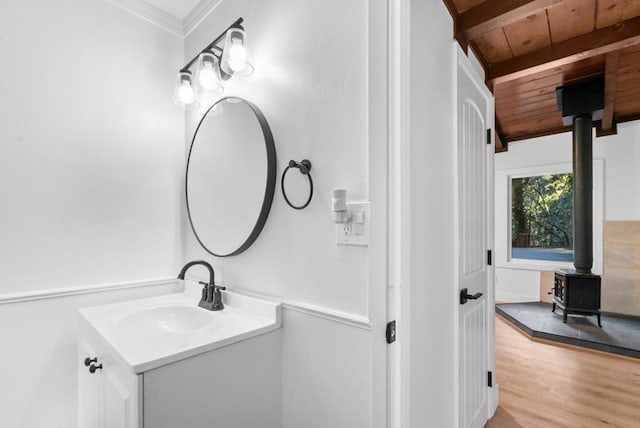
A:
(213, 45)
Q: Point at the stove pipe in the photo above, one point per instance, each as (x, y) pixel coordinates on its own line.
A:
(582, 194)
(581, 103)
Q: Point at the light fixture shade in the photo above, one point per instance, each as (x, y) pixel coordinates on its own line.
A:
(184, 94)
(235, 56)
(208, 72)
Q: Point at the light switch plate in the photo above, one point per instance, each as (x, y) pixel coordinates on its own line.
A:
(355, 234)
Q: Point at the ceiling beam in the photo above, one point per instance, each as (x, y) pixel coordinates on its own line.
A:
(451, 7)
(588, 45)
(623, 119)
(604, 132)
(494, 14)
(500, 145)
(610, 82)
(462, 40)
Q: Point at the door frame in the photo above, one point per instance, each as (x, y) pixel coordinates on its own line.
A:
(378, 130)
(464, 64)
(398, 185)
(399, 102)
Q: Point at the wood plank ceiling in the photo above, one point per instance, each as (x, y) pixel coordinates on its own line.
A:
(530, 47)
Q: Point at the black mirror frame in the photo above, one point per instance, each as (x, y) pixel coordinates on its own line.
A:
(269, 188)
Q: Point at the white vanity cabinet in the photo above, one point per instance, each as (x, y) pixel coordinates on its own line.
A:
(235, 386)
(168, 364)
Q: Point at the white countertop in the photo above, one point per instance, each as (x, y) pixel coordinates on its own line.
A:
(144, 343)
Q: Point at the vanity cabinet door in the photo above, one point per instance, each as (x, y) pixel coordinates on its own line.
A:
(109, 397)
(89, 390)
(120, 396)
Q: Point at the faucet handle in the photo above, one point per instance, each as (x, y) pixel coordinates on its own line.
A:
(218, 287)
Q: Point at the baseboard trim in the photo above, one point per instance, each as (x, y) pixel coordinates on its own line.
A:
(73, 291)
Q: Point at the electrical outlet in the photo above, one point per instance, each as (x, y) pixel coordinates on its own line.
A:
(344, 228)
(356, 230)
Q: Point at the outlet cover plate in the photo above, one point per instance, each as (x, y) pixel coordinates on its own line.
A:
(353, 233)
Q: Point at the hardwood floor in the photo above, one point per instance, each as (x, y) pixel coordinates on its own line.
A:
(551, 385)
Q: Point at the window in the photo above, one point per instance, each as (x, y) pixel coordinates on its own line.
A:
(541, 217)
(503, 207)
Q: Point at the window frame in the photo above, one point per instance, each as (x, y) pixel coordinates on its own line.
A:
(503, 216)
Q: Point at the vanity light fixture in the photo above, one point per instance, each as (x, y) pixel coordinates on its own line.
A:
(235, 57)
(208, 72)
(183, 93)
(213, 66)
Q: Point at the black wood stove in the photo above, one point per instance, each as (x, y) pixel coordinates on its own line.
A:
(578, 291)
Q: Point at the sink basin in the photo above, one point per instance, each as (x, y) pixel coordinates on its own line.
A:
(152, 332)
(167, 319)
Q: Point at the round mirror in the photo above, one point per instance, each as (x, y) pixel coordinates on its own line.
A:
(231, 177)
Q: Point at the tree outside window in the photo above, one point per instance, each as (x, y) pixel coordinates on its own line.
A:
(541, 217)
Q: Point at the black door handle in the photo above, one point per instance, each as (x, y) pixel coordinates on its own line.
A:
(464, 296)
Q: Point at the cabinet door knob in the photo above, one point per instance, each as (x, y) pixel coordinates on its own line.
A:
(93, 368)
(88, 361)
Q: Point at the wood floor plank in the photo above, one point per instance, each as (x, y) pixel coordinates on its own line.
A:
(547, 385)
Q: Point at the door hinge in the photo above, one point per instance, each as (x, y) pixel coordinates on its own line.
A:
(489, 257)
(489, 136)
(391, 331)
(490, 379)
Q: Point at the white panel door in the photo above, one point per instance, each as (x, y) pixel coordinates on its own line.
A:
(473, 227)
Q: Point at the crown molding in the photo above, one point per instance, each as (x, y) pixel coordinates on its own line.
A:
(165, 20)
(152, 14)
(198, 14)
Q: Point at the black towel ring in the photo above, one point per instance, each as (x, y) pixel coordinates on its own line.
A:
(305, 167)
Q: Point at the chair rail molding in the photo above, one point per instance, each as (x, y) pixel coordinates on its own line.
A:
(8, 298)
(347, 318)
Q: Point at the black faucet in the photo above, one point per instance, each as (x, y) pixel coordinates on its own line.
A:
(211, 295)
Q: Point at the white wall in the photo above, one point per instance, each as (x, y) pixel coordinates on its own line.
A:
(326, 373)
(90, 155)
(621, 193)
(90, 146)
(311, 82)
